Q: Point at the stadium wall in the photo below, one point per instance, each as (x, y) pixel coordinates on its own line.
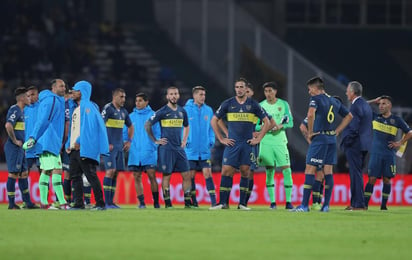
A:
(401, 189)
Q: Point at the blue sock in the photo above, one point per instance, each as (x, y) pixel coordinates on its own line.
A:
(193, 192)
(243, 185)
(224, 189)
(230, 185)
(113, 192)
(211, 189)
(87, 191)
(368, 193)
(24, 188)
(316, 191)
(386, 191)
(328, 189)
(107, 187)
(249, 190)
(141, 199)
(307, 188)
(11, 190)
(155, 196)
(166, 197)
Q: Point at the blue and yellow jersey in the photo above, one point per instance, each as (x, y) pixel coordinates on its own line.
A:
(15, 116)
(384, 131)
(115, 120)
(171, 124)
(327, 109)
(241, 118)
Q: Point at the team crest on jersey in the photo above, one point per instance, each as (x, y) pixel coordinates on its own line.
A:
(280, 109)
(248, 107)
(206, 118)
(87, 110)
(392, 121)
(180, 114)
(123, 115)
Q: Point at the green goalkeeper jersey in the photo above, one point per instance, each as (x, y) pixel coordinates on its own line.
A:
(279, 111)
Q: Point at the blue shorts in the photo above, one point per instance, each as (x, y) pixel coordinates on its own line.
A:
(321, 154)
(381, 165)
(199, 164)
(15, 158)
(172, 160)
(141, 168)
(239, 154)
(65, 161)
(33, 161)
(115, 160)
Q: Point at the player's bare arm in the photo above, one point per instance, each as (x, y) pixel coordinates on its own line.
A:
(224, 140)
(148, 128)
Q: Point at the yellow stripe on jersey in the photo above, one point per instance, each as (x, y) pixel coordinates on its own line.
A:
(115, 123)
(387, 129)
(19, 126)
(171, 122)
(242, 117)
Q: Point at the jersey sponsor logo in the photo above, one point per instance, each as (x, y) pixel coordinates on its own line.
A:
(19, 126)
(242, 117)
(171, 122)
(115, 123)
(387, 129)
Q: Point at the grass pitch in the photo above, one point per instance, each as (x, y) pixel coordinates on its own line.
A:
(201, 234)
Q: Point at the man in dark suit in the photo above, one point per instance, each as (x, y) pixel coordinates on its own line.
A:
(356, 141)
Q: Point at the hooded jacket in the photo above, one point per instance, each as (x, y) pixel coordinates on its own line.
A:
(201, 136)
(143, 151)
(93, 138)
(30, 119)
(49, 127)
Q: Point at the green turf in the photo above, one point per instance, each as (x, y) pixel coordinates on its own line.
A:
(201, 234)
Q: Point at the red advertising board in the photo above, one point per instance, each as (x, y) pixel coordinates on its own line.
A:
(125, 194)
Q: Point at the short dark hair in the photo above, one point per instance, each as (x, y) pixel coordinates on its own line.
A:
(356, 88)
(142, 95)
(386, 97)
(270, 84)
(242, 79)
(249, 85)
(32, 88)
(20, 90)
(318, 81)
(117, 90)
(54, 81)
(197, 88)
(171, 87)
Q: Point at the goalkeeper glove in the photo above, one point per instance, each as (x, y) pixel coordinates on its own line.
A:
(29, 143)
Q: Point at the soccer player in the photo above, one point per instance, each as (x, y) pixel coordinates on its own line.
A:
(199, 142)
(88, 140)
(242, 113)
(115, 117)
(143, 152)
(48, 135)
(15, 158)
(382, 161)
(172, 157)
(30, 115)
(322, 137)
(273, 147)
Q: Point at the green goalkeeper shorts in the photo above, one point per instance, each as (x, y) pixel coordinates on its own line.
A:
(50, 161)
(273, 155)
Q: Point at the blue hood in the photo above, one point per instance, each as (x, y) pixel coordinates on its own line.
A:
(85, 88)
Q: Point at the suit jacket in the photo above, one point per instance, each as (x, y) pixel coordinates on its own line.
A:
(359, 130)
